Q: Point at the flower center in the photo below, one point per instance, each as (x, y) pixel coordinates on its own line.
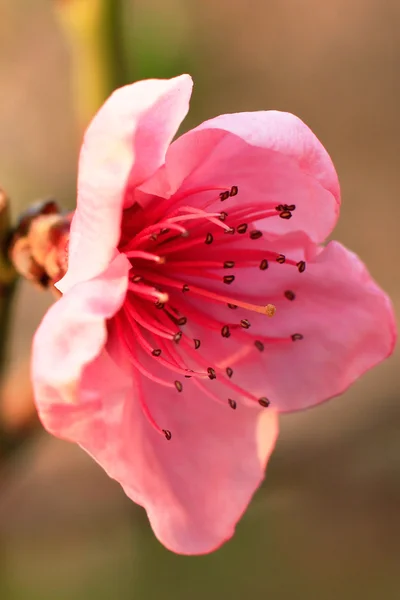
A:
(185, 262)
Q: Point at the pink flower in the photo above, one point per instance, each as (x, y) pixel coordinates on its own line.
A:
(160, 359)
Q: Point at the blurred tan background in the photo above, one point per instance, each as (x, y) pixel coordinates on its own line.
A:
(326, 523)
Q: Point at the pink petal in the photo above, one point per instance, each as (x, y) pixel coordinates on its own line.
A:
(125, 143)
(272, 157)
(194, 487)
(73, 333)
(347, 322)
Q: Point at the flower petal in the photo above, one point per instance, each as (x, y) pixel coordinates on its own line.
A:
(273, 158)
(124, 144)
(196, 486)
(73, 333)
(346, 321)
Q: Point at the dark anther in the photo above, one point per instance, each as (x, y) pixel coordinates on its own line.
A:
(159, 304)
(164, 231)
(178, 385)
(245, 323)
(167, 434)
(301, 265)
(224, 195)
(285, 207)
(264, 402)
(232, 403)
(185, 287)
(234, 190)
(136, 279)
(280, 259)
(255, 235)
(225, 331)
(211, 373)
(229, 372)
(264, 264)
(242, 228)
(285, 214)
(177, 336)
(223, 216)
(232, 306)
(259, 345)
(154, 237)
(196, 344)
(290, 295)
(229, 264)
(189, 371)
(209, 238)
(229, 279)
(156, 352)
(230, 231)
(297, 336)
(182, 321)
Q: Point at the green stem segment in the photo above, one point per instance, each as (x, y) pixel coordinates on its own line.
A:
(93, 30)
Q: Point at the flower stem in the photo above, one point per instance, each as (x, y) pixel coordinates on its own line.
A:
(8, 279)
(8, 276)
(92, 28)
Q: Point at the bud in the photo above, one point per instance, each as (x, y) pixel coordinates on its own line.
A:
(39, 245)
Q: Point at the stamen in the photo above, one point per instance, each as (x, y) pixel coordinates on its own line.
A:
(301, 265)
(178, 337)
(268, 309)
(297, 336)
(178, 385)
(149, 323)
(290, 295)
(264, 402)
(232, 403)
(225, 332)
(211, 373)
(229, 372)
(148, 292)
(229, 279)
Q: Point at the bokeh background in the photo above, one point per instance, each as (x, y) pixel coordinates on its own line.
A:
(326, 523)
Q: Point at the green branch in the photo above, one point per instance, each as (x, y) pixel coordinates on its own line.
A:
(93, 31)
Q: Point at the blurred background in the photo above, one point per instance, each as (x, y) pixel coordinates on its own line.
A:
(326, 523)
